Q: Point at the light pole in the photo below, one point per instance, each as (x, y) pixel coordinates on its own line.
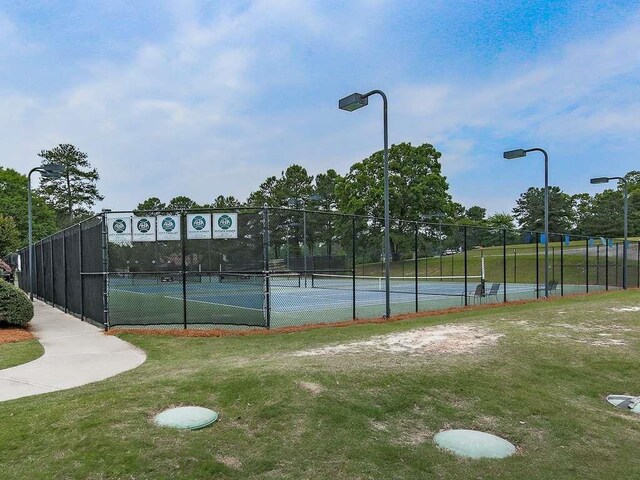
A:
(519, 153)
(626, 210)
(354, 102)
(47, 171)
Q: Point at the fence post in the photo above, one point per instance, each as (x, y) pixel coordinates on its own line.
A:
(537, 265)
(597, 264)
(606, 265)
(266, 241)
(183, 223)
(66, 273)
(53, 273)
(562, 265)
(504, 264)
(81, 273)
(105, 270)
(466, 268)
(638, 262)
(415, 262)
(353, 270)
(43, 293)
(617, 283)
(586, 257)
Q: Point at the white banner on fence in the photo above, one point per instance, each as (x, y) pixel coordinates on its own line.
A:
(144, 229)
(225, 225)
(119, 228)
(168, 227)
(198, 225)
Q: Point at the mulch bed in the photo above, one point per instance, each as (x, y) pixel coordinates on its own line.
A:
(9, 334)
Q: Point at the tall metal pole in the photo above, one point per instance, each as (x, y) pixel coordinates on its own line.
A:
(30, 221)
(304, 244)
(546, 217)
(624, 246)
(351, 103)
(546, 223)
(387, 244)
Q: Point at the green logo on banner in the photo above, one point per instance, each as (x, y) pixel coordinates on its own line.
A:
(198, 222)
(119, 226)
(225, 222)
(168, 224)
(144, 225)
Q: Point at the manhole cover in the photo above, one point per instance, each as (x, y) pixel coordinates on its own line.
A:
(188, 418)
(626, 402)
(474, 444)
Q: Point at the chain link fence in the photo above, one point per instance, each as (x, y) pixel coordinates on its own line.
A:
(68, 270)
(276, 267)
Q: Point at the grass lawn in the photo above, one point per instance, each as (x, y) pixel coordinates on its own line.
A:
(17, 353)
(521, 265)
(540, 383)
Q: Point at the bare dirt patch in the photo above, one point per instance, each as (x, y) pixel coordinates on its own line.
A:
(229, 461)
(14, 334)
(626, 309)
(422, 341)
(313, 388)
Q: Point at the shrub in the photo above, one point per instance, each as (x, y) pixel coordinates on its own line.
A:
(15, 306)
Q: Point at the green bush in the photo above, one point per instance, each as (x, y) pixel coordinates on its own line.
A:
(15, 306)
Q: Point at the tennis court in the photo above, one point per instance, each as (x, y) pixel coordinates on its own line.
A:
(225, 298)
(284, 267)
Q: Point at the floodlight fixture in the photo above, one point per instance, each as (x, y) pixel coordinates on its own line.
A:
(353, 102)
(53, 170)
(600, 180)
(511, 154)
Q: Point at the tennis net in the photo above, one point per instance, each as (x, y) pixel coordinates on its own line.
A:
(444, 285)
(275, 279)
(151, 278)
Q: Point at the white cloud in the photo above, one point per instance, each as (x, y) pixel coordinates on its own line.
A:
(181, 116)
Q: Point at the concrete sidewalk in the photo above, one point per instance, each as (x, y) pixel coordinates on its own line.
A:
(75, 353)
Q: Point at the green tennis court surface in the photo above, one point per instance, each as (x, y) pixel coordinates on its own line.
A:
(239, 299)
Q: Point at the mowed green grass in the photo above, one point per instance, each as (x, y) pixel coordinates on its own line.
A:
(17, 353)
(520, 265)
(367, 415)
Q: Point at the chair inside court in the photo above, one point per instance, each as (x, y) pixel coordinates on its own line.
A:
(481, 292)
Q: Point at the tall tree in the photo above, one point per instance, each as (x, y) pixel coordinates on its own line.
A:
(13, 203)
(416, 185)
(325, 188)
(225, 202)
(74, 194)
(417, 189)
(529, 210)
(151, 206)
(605, 214)
(295, 185)
(181, 203)
(266, 194)
(476, 213)
(9, 235)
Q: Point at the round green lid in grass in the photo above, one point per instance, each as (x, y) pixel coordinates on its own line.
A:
(474, 444)
(186, 418)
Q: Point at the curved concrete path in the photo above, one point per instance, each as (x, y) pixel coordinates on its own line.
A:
(75, 353)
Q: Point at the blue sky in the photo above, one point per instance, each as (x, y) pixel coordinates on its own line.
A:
(210, 98)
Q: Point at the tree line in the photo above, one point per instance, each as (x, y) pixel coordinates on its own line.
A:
(418, 192)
